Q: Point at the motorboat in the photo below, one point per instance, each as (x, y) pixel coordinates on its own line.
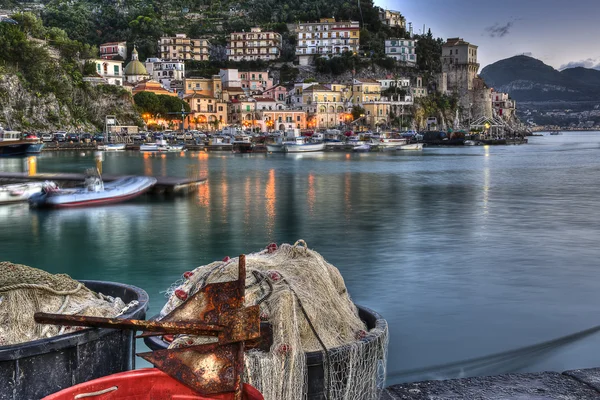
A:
(17, 192)
(161, 145)
(301, 145)
(112, 147)
(389, 142)
(94, 192)
(12, 143)
(275, 148)
(362, 148)
(470, 143)
(411, 146)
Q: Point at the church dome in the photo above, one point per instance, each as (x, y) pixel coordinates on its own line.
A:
(135, 67)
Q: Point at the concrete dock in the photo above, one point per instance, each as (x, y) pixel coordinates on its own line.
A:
(582, 384)
(164, 185)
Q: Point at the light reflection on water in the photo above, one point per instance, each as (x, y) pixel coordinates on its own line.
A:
(465, 251)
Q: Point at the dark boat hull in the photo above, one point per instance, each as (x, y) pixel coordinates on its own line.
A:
(243, 148)
(12, 150)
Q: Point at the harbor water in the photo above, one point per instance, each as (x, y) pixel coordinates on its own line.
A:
(465, 251)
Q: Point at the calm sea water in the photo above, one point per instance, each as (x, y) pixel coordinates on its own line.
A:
(465, 251)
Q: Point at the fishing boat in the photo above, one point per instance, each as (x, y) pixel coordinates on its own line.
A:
(12, 143)
(17, 192)
(162, 145)
(112, 147)
(411, 146)
(95, 192)
(301, 145)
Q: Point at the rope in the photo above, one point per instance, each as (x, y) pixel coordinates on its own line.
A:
(314, 331)
(98, 393)
(41, 287)
(59, 311)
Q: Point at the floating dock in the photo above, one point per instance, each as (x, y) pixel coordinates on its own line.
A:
(164, 185)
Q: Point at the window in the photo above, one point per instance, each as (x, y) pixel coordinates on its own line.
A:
(220, 108)
(298, 118)
(247, 108)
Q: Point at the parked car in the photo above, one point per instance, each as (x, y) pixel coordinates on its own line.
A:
(47, 137)
(72, 137)
(86, 136)
(180, 136)
(60, 136)
(99, 137)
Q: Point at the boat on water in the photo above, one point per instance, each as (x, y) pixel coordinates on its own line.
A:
(411, 146)
(95, 192)
(362, 148)
(302, 145)
(242, 145)
(17, 192)
(13, 143)
(555, 133)
(112, 147)
(162, 145)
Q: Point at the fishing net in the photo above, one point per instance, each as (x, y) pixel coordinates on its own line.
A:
(25, 290)
(305, 300)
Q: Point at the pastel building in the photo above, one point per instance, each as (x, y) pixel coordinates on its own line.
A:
(393, 19)
(165, 72)
(108, 51)
(180, 47)
(326, 38)
(254, 45)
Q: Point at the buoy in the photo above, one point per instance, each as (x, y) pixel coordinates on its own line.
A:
(82, 154)
(181, 294)
(272, 248)
(226, 259)
(188, 274)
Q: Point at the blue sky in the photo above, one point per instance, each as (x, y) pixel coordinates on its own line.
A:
(558, 32)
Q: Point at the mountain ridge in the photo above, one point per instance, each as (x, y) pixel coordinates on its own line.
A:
(525, 78)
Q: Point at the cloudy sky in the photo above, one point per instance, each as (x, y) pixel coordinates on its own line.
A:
(558, 32)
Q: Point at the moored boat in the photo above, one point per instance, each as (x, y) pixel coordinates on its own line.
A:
(242, 144)
(161, 145)
(363, 148)
(411, 146)
(12, 143)
(112, 147)
(17, 192)
(301, 145)
(94, 192)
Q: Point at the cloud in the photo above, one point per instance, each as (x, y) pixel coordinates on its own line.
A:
(588, 63)
(498, 30)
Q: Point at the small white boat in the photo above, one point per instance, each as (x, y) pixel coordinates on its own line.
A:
(112, 147)
(162, 145)
(301, 145)
(17, 192)
(94, 192)
(470, 143)
(362, 148)
(275, 148)
(389, 142)
(411, 146)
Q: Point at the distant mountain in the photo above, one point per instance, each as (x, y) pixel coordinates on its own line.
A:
(528, 79)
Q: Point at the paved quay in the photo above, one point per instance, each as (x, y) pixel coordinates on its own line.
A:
(581, 384)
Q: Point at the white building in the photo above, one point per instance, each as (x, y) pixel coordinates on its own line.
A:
(108, 51)
(326, 38)
(110, 70)
(401, 50)
(165, 71)
(388, 83)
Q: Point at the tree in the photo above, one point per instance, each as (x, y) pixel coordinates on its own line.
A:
(147, 103)
(357, 112)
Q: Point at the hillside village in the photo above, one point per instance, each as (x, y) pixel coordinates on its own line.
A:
(405, 97)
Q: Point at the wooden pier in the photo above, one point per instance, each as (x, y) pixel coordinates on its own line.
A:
(164, 185)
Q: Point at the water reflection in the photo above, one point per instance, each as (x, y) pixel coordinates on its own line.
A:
(311, 193)
(270, 203)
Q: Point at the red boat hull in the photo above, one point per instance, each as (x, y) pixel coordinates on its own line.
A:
(142, 384)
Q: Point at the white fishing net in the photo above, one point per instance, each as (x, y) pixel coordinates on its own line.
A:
(25, 290)
(306, 301)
